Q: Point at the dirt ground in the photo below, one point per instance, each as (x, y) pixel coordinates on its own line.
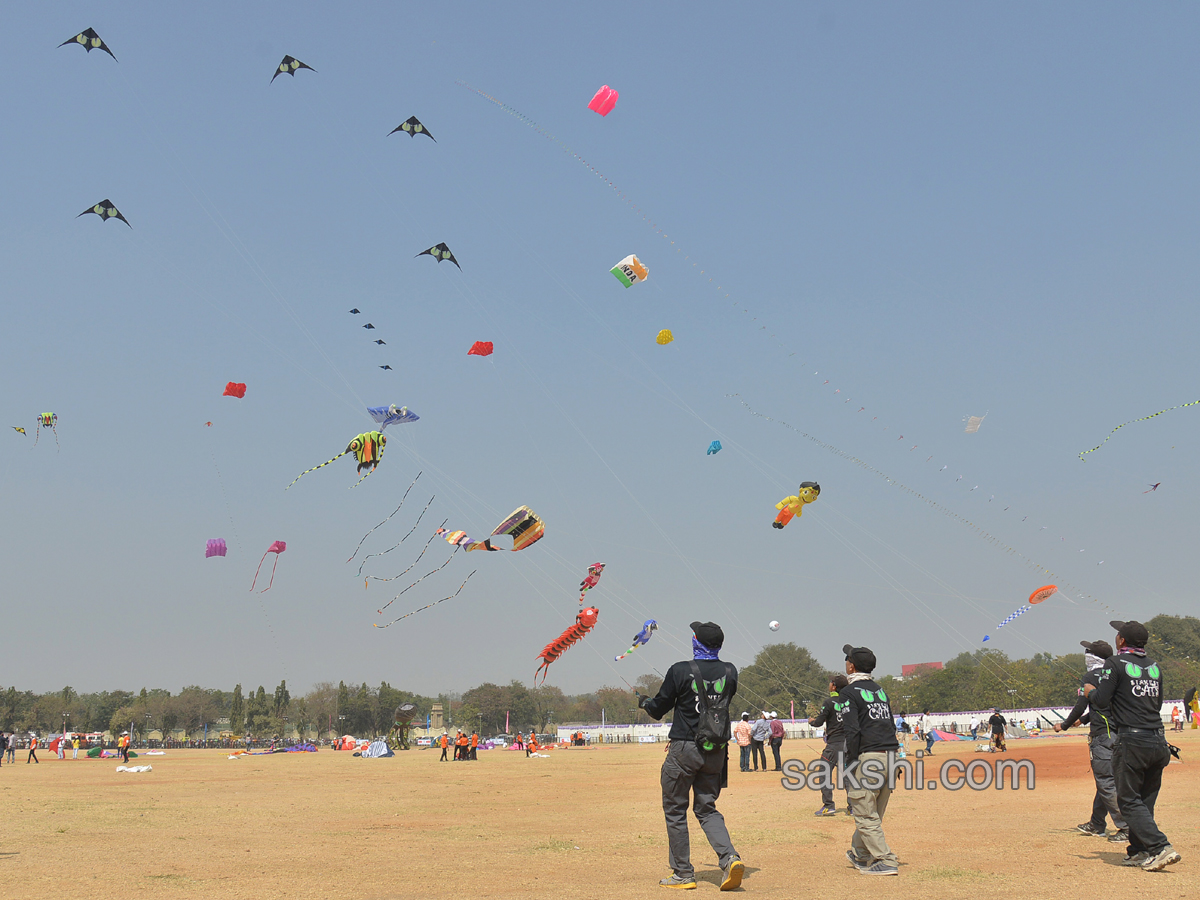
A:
(580, 823)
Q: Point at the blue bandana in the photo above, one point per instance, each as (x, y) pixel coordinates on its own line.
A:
(699, 651)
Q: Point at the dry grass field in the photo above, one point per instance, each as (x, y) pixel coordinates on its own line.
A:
(581, 823)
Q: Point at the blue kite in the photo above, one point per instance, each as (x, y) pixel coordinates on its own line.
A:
(714, 447)
(389, 415)
(641, 638)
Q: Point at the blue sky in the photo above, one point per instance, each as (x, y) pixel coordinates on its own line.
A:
(943, 210)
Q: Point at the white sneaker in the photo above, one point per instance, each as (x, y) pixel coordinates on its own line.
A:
(1167, 856)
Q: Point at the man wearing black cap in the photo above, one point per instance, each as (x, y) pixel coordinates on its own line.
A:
(835, 738)
(697, 757)
(870, 737)
(1100, 741)
(1130, 685)
(998, 722)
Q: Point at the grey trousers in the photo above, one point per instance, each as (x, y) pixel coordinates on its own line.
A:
(1105, 802)
(685, 771)
(868, 843)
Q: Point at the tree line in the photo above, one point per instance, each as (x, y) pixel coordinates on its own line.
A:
(782, 675)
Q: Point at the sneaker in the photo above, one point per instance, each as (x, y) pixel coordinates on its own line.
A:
(1167, 856)
(827, 810)
(1119, 837)
(1135, 859)
(849, 810)
(879, 868)
(683, 884)
(1089, 828)
(855, 860)
(733, 875)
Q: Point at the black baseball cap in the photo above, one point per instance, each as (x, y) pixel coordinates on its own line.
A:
(862, 657)
(709, 634)
(1102, 649)
(1134, 633)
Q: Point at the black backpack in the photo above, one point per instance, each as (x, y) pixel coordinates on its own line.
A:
(712, 731)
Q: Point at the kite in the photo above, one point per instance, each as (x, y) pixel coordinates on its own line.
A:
(523, 524)
(234, 389)
(641, 638)
(480, 348)
(20, 429)
(289, 66)
(394, 511)
(774, 626)
(973, 423)
(380, 343)
(1041, 594)
(276, 547)
(1153, 487)
(439, 252)
(1131, 421)
(714, 447)
(389, 415)
(216, 547)
(593, 577)
(387, 368)
(105, 210)
(354, 312)
(46, 420)
(664, 337)
(794, 506)
(630, 271)
(427, 605)
(412, 127)
(604, 101)
(90, 41)
(369, 327)
(584, 622)
(367, 449)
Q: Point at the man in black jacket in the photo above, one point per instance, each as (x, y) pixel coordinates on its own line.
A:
(1100, 741)
(997, 723)
(689, 768)
(871, 743)
(835, 739)
(1131, 686)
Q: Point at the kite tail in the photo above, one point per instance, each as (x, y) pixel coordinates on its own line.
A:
(626, 653)
(314, 468)
(426, 606)
(37, 433)
(403, 539)
(256, 571)
(360, 480)
(419, 580)
(396, 510)
(273, 568)
(56, 443)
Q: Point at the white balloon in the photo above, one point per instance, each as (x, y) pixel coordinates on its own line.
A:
(774, 626)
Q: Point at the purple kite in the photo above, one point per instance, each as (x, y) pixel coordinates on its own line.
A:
(215, 547)
(276, 548)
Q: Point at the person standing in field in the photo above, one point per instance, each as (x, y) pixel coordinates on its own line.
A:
(760, 733)
(870, 740)
(835, 739)
(974, 727)
(1100, 741)
(1131, 686)
(927, 729)
(75, 747)
(474, 745)
(698, 691)
(997, 723)
(777, 735)
(32, 750)
(445, 742)
(741, 734)
(12, 747)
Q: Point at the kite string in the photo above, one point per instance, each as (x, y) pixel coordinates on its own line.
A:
(396, 510)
